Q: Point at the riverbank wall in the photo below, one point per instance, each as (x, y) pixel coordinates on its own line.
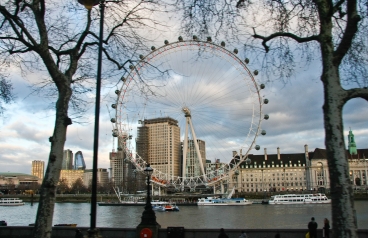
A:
(80, 198)
(170, 232)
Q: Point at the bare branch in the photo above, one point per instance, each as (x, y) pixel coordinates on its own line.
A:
(298, 39)
(337, 7)
(118, 65)
(349, 33)
(15, 22)
(84, 35)
(357, 93)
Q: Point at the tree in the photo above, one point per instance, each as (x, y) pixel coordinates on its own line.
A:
(77, 186)
(59, 39)
(63, 186)
(6, 95)
(109, 187)
(292, 33)
(10, 186)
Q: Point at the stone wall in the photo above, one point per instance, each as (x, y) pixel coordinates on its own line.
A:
(69, 232)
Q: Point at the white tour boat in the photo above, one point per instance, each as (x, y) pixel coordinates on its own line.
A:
(210, 201)
(11, 202)
(299, 199)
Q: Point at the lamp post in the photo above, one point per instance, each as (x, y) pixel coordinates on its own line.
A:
(148, 226)
(93, 232)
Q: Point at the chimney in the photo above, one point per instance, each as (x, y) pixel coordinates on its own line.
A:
(234, 153)
(265, 153)
(278, 153)
(306, 152)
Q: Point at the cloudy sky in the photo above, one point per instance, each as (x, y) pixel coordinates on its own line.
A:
(295, 110)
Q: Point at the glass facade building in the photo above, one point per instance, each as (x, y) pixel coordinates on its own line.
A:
(79, 163)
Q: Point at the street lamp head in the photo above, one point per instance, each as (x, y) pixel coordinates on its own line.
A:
(148, 170)
(89, 3)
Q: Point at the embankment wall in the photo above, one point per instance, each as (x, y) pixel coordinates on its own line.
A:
(69, 232)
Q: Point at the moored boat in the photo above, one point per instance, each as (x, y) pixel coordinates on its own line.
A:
(210, 201)
(162, 206)
(11, 202)
(318, 198)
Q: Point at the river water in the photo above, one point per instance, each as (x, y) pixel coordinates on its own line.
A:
(230, 217)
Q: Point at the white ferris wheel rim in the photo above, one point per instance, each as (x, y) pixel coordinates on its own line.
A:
(133, 85)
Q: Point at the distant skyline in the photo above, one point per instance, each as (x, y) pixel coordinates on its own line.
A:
(295, 111)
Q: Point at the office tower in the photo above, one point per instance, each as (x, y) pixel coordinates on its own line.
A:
(158, 143)
(67, 160)
(193, 168)
(79, 163)
(38, 168)
(123, 174)
(102, 177)
(117, 167)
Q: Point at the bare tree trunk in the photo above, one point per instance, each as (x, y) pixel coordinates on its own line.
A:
(343, 220)
(43, 225)
(343, 217)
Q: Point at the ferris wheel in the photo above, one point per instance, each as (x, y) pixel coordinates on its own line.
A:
(205, 95)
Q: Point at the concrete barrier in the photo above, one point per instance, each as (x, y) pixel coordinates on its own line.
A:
(69, 232)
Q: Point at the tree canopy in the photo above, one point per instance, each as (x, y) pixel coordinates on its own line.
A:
(6, 93)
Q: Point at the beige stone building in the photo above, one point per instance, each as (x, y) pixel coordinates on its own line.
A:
(271, 172)
(102, 177)
(306, 171)
(158, 143)
(17, 179)
(71, 175)
(38, 168)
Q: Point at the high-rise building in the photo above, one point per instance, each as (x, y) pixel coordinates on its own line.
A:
(67, 160)
(117, 167)
(193, 168)
(38, 168)
(216, 168)
(79, 163)
(123, 174)
(102, 177)
(158, 143)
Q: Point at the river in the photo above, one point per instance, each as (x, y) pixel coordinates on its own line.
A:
(230, 217)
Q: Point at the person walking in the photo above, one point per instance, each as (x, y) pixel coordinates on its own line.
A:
(326, 228)
(222, 234)
(312, 227)
(243, 235)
